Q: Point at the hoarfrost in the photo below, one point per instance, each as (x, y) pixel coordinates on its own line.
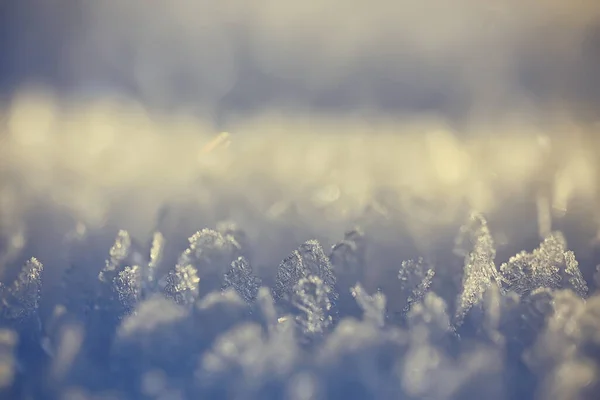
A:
(241, 278)
(128, 284)
(210, 254)
(118, 253)
(477, 245)
(22, 298)
(551, 265)
(311, 302)
(156, 255)
(415, 280)
(308, 259)
(181, 285)
(244, 340)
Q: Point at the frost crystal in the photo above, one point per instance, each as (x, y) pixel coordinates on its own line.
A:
(291, 270)
(415, 280)
(373, 306)
(117, 254)
(480, 270)
(241, 278)
(156, 254)
(182, 285)
(312, 303)
(550, 265)
(23, 296)
(574, 274)
(207, 244)
(308, 259)
(128, 285)
(205, 257)
(211, 254)
(523, 337)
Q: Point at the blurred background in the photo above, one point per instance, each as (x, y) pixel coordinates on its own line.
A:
(417, 109)
(462, 59)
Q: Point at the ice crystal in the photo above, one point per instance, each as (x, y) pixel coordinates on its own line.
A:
(551, 265)
(311, 301)
(207, 244)
(128, 285)
(415, 280)
(181, 285)
(573, 274)
(156, 255)
(477, 245)
(210, 253)
(23, 296)
(530, 322)
(241, 278)
(118, 253)
(308, 259)
(204, 259)
(290, 271)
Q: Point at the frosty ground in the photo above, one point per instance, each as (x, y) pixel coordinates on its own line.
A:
(302, 257)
